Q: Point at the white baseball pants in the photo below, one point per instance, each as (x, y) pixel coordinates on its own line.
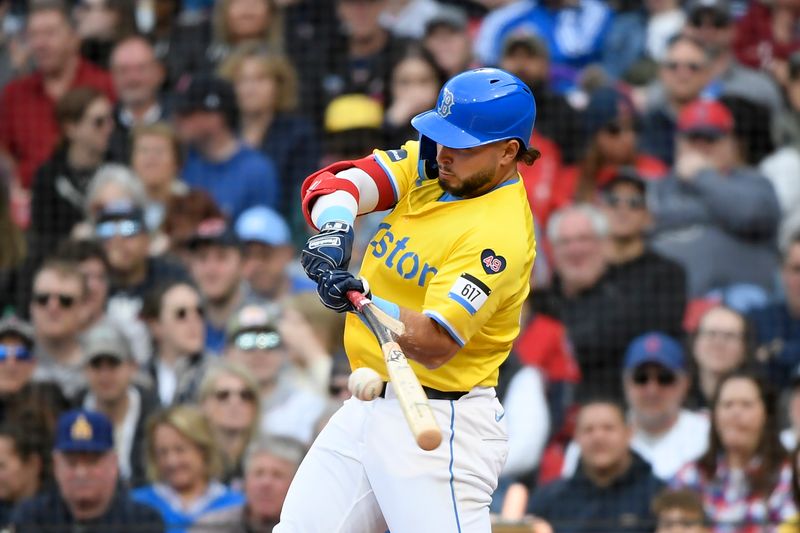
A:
(365, 473)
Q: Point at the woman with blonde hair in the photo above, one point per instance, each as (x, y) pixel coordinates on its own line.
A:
(184, 464)
(266, 92)
(229, 400)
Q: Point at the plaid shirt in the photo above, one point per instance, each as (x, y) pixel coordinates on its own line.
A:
(729, 502)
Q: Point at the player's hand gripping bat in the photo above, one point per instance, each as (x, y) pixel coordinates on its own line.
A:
(405, 384)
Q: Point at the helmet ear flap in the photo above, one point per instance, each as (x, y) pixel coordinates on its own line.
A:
(427, 148)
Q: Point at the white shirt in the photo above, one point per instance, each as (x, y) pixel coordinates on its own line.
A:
(666, 453)
(167, 382)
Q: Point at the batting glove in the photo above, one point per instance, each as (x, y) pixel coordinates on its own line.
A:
(332, 289)
(328, 250)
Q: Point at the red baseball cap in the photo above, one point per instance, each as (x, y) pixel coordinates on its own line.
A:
(705, 117)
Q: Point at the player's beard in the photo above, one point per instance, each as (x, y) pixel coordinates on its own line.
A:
(470, 186)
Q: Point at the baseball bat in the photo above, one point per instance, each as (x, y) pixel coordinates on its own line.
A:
(412, 398)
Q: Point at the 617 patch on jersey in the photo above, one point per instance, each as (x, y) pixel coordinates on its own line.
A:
(470, 292)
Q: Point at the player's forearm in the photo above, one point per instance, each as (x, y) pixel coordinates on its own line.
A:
(425, 341)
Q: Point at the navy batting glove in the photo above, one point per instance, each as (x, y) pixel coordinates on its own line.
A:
(332, 289)
(328, 250)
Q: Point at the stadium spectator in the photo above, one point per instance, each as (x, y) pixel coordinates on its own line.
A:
(765, 36)
(665, 19)
(599, 315)
(587, 22)
(788, 123)
(657, 285)
(13, 245)
(413, 88)
(712, 23)
(121, 228)
(13, 57)
(611, 122)
(266, 92)
(352, 123)
(215, 261)
(137, 76)
(790, 435)
(408, 18)
(28, 127)
(25, 466)
(111, 184)
(88, 493)
(101, 24)
(93, 264)
(57, 311)
(20, 397)
(744, 476)
(156, 159)
(268, 254)
(613, 485)
(109, 367)
(183, 213)
(235, 175)
(777, 326)
(184, 464)
(656, 380)
(228, 397)
(269, 467)
(679, 511)
(720, 345)
(254, 341)
(60, 185)
(447, 38)
(174, 315)
(682, 75)
(712, 206)
(527, 57)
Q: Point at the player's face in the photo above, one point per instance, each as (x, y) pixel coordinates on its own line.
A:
(266, 483)
(470, 172)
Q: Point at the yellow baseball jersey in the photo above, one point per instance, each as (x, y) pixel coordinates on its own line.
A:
(465, 263)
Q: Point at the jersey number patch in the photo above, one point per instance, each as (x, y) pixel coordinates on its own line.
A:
(470, 292)
(491, 262)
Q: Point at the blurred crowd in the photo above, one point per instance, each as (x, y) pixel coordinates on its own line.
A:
(164, 362)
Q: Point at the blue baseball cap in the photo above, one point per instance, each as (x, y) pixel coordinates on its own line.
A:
(655, 348)
(84, 431)
(264, 225)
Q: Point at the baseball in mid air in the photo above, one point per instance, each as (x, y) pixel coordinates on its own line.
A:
(365, 384)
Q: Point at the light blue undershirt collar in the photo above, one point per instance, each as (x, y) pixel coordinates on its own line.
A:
(447, 197)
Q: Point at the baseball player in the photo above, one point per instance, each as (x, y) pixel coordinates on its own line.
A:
(452, 261)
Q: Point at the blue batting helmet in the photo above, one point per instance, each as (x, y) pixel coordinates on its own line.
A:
(478, 107)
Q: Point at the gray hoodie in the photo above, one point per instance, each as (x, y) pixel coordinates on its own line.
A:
(721, 228)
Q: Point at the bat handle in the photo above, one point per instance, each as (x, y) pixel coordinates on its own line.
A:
(357, 299)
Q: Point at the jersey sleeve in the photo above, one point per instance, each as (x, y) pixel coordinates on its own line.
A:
(402, 167)
(477, 277)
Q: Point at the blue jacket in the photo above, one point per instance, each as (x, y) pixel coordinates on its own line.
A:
(165, 501)
(245, 180)
(778, 341)
(578, 505)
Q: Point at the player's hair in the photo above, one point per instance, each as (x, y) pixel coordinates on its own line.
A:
(528, 156)
(285, 448)
(276, 65)
(189, 421)
(64, 269)
(685, 500)
(596, 217)
(227, 368)
(159, 129)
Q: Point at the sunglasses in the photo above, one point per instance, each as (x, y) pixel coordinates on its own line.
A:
(663, 377)
(182, 313)
(102, 361)
(64, 300)
(632, 202)
(20, 353)
(701, 18)
(122, 228)
(257, 340)
(688, 65)
(223, 395)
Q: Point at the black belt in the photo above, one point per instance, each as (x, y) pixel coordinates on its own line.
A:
(434, 394)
